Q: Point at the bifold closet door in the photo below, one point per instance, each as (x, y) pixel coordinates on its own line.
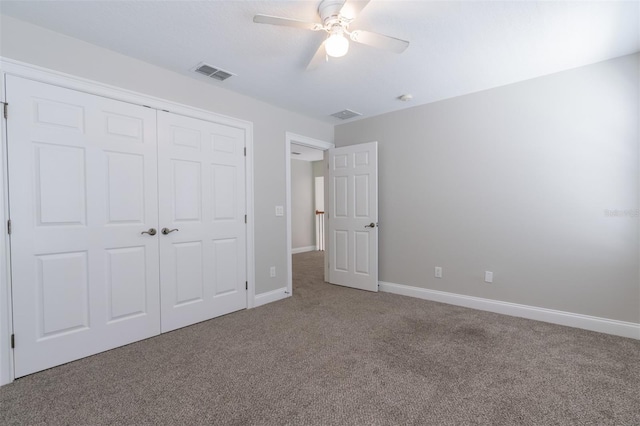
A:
(202, 206)
(82, 188)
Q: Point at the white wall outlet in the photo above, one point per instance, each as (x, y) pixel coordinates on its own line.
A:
(438, 272)
(272, 271)
(279, 211)
(488, 276)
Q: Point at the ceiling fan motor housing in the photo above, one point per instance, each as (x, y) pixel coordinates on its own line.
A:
(329, 11)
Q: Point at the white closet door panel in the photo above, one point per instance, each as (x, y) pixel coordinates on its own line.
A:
(62, 293)
(202, 194)
(189, 280)
(187, 191)
(60, 167)
(125, 188)
(126, 283)
(83, 185)
(225, 265)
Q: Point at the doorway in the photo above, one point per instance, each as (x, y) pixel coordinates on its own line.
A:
(308, 223)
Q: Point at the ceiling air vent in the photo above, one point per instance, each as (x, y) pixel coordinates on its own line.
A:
(213, 72)
(346, 114)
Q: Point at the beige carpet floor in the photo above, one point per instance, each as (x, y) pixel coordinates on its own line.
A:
(335, 356)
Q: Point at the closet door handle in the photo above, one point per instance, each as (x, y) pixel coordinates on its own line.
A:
(167, 231)
(151, 231)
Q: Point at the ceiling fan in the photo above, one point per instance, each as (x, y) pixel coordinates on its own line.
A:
(336, 16)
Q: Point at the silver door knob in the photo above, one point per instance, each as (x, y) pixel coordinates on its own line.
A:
(167, 231)
(371, 225)
(151, 231)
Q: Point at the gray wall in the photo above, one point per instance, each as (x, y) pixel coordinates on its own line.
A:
(517, 180)
(28, 43)
(302, 205)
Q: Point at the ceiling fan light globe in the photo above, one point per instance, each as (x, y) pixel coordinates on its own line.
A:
(336, 45)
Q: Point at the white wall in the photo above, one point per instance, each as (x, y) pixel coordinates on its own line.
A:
(302, 205)
(28, 43)
(517, 180)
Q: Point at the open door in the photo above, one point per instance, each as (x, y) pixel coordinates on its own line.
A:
(353, 216)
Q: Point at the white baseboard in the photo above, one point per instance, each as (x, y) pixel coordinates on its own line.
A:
(602, 325)
(302, 249)
(270, 296)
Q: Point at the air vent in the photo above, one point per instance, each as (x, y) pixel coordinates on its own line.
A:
(213, 72)
(346, 114)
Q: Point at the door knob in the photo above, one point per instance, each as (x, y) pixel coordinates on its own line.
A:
(151, 231)
(371, 225)
(167, 231)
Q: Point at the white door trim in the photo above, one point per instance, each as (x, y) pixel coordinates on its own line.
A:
(44, 75)
(311, 143)
(6, 315)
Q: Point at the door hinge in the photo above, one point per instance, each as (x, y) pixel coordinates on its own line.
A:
(5, 107)
(245, 151)
(246, 285)
(9, 226)
(13, 341)
(245, 218)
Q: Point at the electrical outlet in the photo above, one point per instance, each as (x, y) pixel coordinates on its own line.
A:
(488, 276)
(438, 272)
(279, 211)
(272, 272)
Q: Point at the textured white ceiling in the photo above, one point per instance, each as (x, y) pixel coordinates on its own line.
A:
(456, 47)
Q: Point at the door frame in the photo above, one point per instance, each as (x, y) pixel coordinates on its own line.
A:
(44, 75)
(293, 138)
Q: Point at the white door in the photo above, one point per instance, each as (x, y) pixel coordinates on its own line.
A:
(82, 188)
(202, 203)
(353, 216)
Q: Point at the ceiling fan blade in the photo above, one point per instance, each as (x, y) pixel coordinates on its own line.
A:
(380, 41)
(351, 8)
(275, 20)
(318, 59)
